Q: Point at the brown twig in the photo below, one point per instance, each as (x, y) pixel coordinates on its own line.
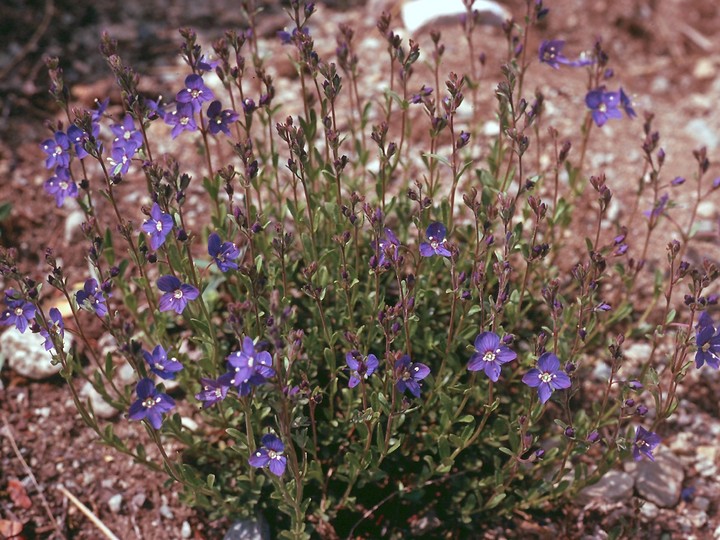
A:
(88, 513)
(9, 435)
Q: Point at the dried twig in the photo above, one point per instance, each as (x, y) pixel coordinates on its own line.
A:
(9, 435)
(88, 513)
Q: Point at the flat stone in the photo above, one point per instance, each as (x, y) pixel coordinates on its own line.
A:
(703, 134)
(419, 14)
(614, 486)
(659, 481)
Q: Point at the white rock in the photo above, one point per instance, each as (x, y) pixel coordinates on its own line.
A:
(115, 503)
(638, 351)
(26, 354)
(420, 13)
(101, 407)
(185, 530)
(707, 209)
(649, 510)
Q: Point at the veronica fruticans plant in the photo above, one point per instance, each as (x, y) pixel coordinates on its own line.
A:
(326, 336)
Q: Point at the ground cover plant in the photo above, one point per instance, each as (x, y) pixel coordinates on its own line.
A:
(351, 334)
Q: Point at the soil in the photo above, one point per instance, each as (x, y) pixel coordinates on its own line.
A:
(666, 55)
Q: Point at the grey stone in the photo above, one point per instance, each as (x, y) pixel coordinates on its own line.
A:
(115, 502)
(614, 486)
(660, 481)
(701, 503)
(249, 529)
(26, 354)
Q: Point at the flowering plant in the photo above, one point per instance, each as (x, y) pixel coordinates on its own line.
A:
(238, 313)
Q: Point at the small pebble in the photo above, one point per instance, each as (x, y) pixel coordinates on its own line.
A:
(701, 503)
(115, 503)
(649, 510)
(185, 530)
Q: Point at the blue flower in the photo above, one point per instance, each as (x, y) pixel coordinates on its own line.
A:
(435, 245)
(195, 92)
(603, 105)
(151, 404)
(55, 328)
(160, 364)
(223, 253)
(177, 294)
(707, 339)
(360, 368)
(409, 374)
(388, 248)
(250, 366)
(126, 134)
(182, 119)
(19, 312)
(490, 355)
(61, 186)
(644, 444)
(270, 454)
(547, 377)
(219, 120)
(91, 298)
(57, 150)
(214, 390)
(158, 226)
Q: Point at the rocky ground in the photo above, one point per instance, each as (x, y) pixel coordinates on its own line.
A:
(665, 54)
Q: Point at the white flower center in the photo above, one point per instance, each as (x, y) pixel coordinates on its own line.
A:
(546, 377)
(18, 311)
(489, 356)
(158, 226)
(178, 294)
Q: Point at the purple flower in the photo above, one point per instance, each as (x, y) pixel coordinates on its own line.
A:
(57, 150)
(547, 377)
(61, 186)
(219, 119)
(550, 53)
(490, 355)
(603, 105)
(425, 91)
(214, 390)
(250, 366)
(658, 208)
(120, 158)
(151, 404)
(160, 364)
(644, 444)
(435, 245)
(707, 339)
(158, 226)
(177, 294)
(78, 137)
(408, 375)
(18, 312)
(223, 253)
(388, 247)
(626, 104)
(126, 134)
(56, 327)
(195, 92)
(360, 368)
(287, 37)
(270, 454)
(182, 119)
(91, 298)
